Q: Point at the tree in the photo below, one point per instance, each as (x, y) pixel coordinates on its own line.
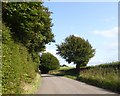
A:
(30, 23)
(77, 50)
(48, 62)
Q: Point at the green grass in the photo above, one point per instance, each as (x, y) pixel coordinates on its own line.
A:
(105, 76)
(30, 88)
(65, 68)
(18, 67)
(65, 71)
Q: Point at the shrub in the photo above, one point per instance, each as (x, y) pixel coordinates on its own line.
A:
(17, 65)
(104, 75)
(48, 62)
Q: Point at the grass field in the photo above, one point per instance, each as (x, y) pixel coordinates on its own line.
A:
(105, 76)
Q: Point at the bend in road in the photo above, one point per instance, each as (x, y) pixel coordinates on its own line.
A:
(60, 85)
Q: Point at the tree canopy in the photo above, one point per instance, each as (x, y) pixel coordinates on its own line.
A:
(30, 23)
(77, 50)
(48, 62)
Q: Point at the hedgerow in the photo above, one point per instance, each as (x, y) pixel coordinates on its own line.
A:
(104, 75)
(17, 65)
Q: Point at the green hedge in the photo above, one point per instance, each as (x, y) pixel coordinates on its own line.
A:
(105, 65)
(17, 65)
(104, 75)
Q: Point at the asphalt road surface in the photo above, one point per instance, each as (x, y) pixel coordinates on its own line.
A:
(60, 85)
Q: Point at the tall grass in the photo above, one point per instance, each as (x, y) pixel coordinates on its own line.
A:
(17, 65)
(104, 75)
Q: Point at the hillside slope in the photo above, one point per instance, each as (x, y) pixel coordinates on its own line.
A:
(18, 69)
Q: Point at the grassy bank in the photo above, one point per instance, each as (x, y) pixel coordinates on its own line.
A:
(105, 76)
(18, 68)
(30, 88)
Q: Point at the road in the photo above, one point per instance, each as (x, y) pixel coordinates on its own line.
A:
(60, 85)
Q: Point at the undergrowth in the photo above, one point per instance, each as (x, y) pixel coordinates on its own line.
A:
(17, 64)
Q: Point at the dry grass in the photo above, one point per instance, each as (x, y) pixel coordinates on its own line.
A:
(30, 88)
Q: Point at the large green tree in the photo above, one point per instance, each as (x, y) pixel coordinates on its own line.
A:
(48, 62)
(30, 23)
(77, 50)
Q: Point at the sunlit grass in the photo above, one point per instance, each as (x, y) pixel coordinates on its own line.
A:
(65, 68)
(33, 86)
(105, 75)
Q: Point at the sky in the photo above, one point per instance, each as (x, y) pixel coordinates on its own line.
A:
(96, 22)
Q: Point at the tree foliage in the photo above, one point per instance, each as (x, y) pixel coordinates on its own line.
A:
(30, 23)
(48, 62)
(77, 50)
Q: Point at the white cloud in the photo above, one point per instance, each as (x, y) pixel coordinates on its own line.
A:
(94, 62)
(101, 60)
(110, 33)
(76, 35)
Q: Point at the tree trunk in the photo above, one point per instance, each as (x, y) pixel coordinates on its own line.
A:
(78, 69)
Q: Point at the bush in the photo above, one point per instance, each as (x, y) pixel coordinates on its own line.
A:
(17, 65)
(104, 75)
(48, 62)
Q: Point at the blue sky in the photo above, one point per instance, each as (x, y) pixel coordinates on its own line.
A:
(95, 21)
